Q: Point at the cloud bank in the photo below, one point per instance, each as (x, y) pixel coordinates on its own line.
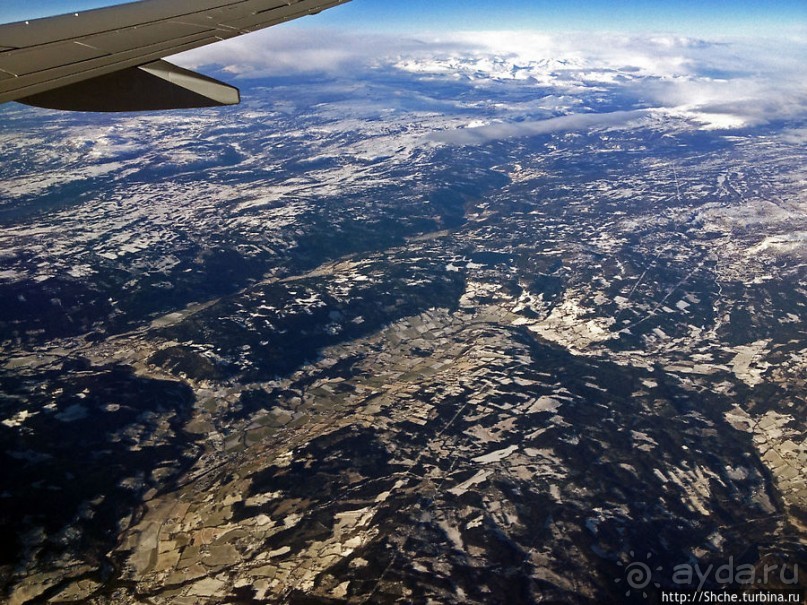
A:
(715, 83)
(492, 132)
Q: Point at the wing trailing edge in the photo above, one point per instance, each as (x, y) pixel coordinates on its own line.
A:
(150, 87)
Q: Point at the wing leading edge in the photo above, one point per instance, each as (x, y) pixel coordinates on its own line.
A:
(109, 59)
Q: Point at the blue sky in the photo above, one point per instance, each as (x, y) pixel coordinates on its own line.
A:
(693, 17)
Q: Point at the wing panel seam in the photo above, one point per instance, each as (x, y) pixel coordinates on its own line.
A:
(225, 5)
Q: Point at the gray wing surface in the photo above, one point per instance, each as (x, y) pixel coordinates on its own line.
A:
(110, 59)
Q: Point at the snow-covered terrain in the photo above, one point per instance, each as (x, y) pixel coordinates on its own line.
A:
(461, 320)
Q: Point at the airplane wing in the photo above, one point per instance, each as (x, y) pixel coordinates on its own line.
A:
(110, 59)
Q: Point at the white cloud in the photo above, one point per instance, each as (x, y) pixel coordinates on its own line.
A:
(289, 51)
(715, 83)
(490, 132)
(795, 136)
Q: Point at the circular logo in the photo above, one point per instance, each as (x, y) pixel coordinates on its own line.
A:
(638, 575)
